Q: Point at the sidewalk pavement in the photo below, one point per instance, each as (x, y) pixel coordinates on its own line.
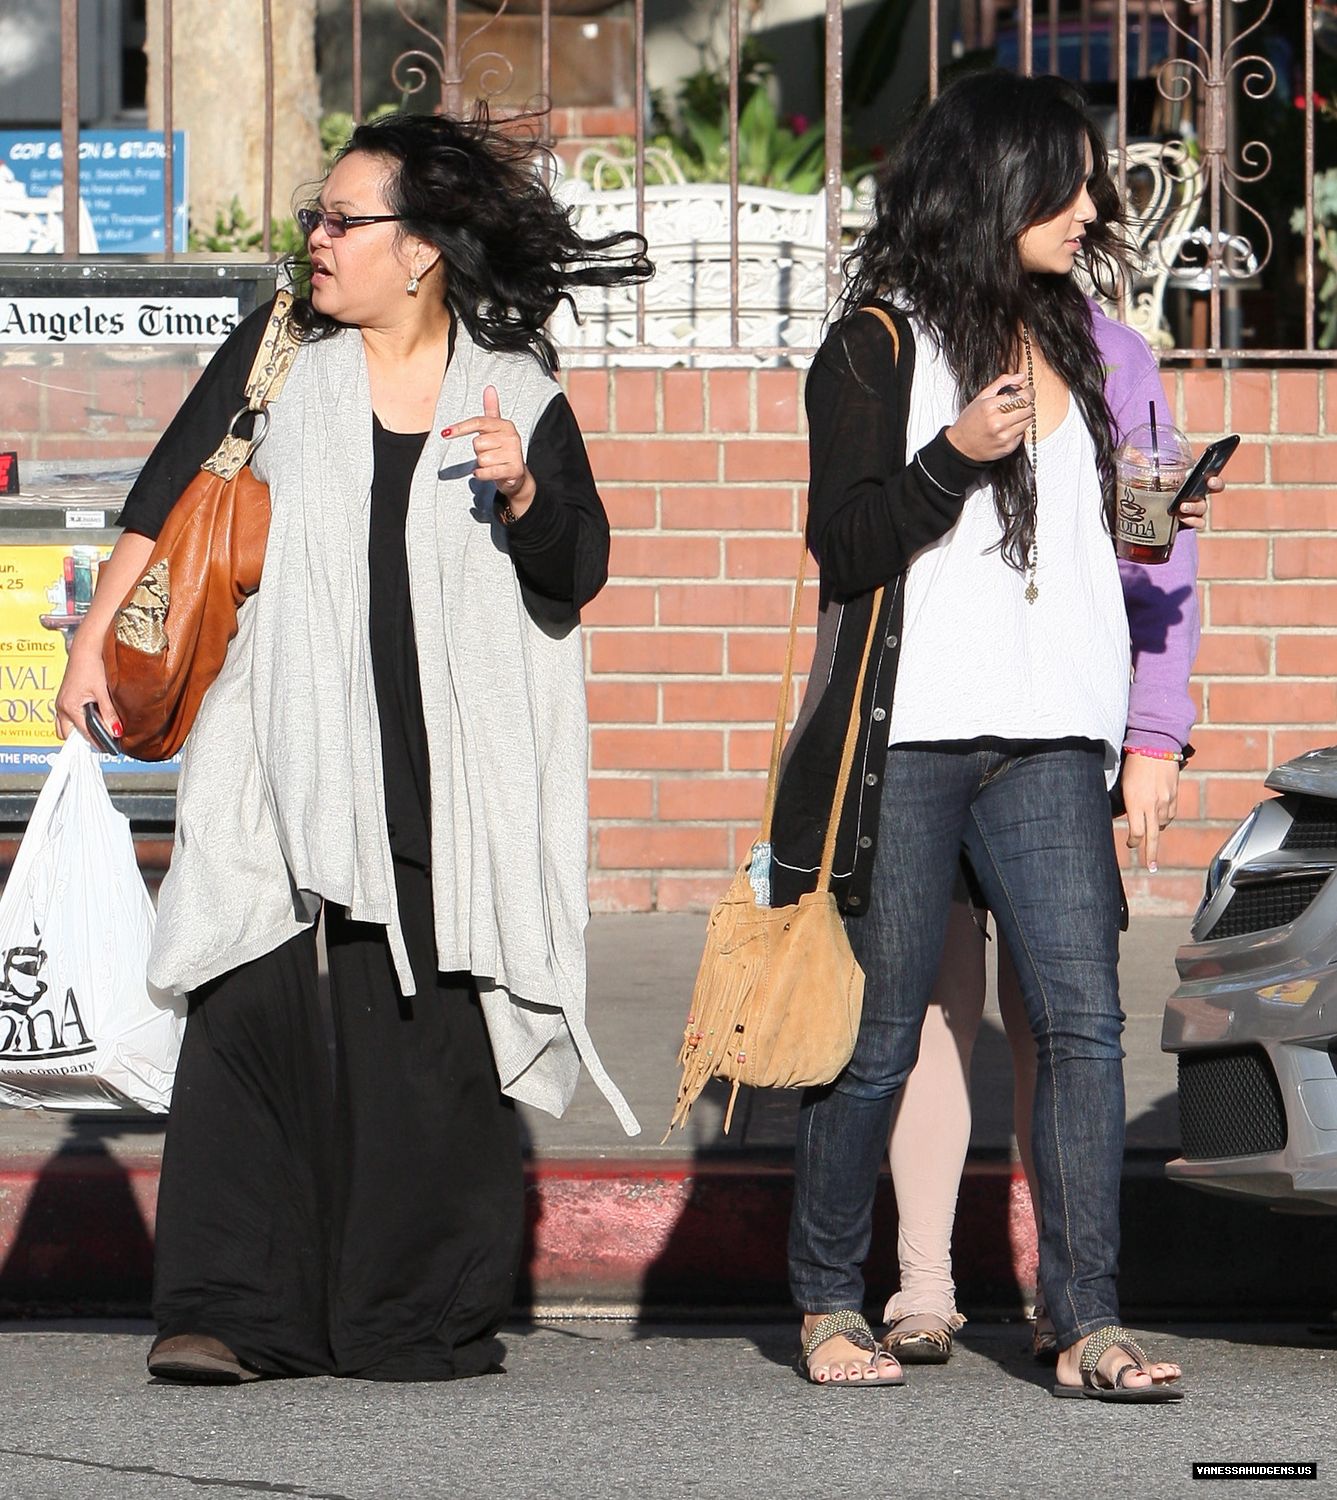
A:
(697, 1224)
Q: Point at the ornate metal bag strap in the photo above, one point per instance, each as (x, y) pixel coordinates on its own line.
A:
(274, 357)
(273, 360)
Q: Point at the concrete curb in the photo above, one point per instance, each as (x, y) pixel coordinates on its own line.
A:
(684, 1238)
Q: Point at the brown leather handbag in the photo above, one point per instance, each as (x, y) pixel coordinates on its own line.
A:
(170, 635)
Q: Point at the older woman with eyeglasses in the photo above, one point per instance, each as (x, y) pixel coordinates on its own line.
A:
(396, 743)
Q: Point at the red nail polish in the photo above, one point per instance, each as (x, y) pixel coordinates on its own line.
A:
(116, 728)
(446, 431)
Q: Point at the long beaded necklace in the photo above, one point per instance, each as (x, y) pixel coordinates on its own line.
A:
(1032, 588)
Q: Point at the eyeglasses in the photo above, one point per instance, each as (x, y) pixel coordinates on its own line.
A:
(337, 225)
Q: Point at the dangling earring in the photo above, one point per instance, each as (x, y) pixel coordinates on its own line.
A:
(411, 285)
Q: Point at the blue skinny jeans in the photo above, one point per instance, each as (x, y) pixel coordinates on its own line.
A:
(1034, 819)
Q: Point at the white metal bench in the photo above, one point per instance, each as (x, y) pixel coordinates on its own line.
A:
(782, 292)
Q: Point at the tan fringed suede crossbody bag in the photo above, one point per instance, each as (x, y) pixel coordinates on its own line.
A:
(779, 993)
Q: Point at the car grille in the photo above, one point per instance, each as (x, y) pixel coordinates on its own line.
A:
(1229, 1104)
(1267, 903)
(1313, 825)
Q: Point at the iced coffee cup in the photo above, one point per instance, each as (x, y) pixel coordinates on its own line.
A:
(1150, 465)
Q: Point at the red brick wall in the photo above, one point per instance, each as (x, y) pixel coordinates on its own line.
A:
(87, 401)
(703, 474)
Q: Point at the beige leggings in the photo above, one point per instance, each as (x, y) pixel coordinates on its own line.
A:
(930, 1131)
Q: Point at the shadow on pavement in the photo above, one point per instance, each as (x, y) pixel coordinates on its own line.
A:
(725, 1255)
(81, 1240)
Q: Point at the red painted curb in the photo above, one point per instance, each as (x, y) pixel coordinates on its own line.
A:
(680, 1237)
(712, 1234)
(79, 1228)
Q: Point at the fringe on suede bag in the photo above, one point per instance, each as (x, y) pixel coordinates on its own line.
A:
(779, 993)
(170, 635)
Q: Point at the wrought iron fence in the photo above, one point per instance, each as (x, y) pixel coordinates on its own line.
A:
(1193, 172)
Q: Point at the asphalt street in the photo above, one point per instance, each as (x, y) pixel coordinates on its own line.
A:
(590, 1409)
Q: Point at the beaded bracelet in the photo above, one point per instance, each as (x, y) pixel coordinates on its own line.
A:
(1174, 755)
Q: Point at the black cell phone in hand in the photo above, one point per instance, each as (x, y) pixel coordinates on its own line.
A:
(1214, 458)
(98, 732)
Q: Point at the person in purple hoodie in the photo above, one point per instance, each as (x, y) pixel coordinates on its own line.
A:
(931, 1130)
(973, 630)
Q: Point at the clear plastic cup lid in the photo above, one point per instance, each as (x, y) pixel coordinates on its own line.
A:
(1167, 447)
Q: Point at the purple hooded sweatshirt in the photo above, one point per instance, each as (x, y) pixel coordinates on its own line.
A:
(1162, 598)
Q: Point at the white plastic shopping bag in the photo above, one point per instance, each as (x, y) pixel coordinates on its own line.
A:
(80, 1027)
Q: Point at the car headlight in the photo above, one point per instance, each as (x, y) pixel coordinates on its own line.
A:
(1223, 860)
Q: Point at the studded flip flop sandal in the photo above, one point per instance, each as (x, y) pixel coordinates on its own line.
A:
(1096, 1388)
(854, 1327)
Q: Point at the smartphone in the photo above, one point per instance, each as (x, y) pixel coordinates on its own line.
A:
(98, 732)
(1214, 458)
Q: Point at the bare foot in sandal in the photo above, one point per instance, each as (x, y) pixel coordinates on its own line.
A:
(1121, 1370)
(839, 1349)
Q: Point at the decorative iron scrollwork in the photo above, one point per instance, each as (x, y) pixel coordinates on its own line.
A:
(1205, 73)
(451, 58)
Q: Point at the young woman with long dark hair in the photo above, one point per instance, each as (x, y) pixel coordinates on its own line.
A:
(964, 468)
(930, 1134)
(397, 740)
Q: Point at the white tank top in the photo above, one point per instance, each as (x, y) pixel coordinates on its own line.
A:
(976, 658)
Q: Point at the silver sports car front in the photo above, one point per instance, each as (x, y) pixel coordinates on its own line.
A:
(1254, 1020)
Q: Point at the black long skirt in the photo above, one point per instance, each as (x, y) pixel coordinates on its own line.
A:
(364, 1220)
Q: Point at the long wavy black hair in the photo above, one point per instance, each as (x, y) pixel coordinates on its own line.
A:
(993, 155)
(510, 251)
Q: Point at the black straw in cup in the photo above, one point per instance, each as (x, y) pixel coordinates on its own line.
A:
(1155, 445)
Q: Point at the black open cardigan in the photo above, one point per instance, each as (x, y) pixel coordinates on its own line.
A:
(869, 512)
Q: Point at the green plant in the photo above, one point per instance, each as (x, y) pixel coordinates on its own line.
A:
(705, 93)
(772, 152)
(338, 125)
(234, 231)
(1325, 250)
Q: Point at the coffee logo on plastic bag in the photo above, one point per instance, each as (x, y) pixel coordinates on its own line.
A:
(34, 1023)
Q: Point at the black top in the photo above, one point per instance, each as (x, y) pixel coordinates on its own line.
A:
(559, 547)
(871, 507)
(868, 513)
(394, 652)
